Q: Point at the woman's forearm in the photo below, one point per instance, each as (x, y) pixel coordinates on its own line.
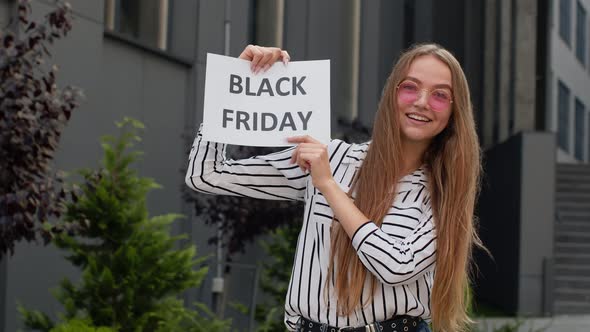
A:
(349, 216)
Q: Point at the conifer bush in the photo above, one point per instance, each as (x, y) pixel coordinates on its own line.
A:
(132, 273)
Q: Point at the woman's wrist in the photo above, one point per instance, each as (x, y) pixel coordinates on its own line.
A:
(328, 186)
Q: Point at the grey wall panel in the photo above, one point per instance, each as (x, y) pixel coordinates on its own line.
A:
(2, 294)
(424, 24)
(369, 72)
(537, 218)
(87, 10)
(32, 272)
(210, 28)
(183, 28)
(6, 9)
(121, 87)
(499, 214)
(296, 28)
(162, 111)
(240, 29)
(391, 38)
(516, 210)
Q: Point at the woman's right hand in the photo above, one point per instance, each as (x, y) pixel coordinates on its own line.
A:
(263, 57)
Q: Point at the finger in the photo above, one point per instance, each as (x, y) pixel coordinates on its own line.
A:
(302, 139)
(303, 165)
(314, 149)
(247, 53)
(309, 158)
(294, 155)
(257, 55)
(276, 54)
(285, 57)
(266, 56)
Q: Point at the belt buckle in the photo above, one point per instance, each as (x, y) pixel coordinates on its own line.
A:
(371, 328)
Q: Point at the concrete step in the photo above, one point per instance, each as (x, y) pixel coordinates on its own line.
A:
(572, 294)
(572, 270)
(567, 206)
(556, 323)
(568, 178)
(572, 186)
(573, 258)
(567, 248)
(564, 226)
(572, 237)
(580, 196)
(576, 282)
(573, 168)
(570, 215)
(571, 307)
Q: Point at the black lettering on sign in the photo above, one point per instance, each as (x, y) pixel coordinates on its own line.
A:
(281, 86)
(235, 84)
(254, 121)
(264, 124)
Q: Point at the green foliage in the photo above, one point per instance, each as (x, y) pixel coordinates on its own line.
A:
(79, 325)
(131, 271)
(274, 280)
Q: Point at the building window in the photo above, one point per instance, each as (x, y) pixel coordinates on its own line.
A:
(581, 33)
(565, 18)
(580, 124)
(144, 20)
(563, 109)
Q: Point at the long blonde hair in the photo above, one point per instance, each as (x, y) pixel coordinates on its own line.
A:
(454, 166)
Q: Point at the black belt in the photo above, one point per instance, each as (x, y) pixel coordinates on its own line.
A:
(397, 324)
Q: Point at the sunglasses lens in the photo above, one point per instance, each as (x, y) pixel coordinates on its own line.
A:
(439, 100)
(408, 92)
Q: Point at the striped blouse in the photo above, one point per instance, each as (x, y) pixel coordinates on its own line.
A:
(400, 253)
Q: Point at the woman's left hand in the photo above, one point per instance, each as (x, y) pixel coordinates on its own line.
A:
(312, 156)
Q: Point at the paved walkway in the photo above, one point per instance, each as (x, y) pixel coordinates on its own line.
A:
(580, 323)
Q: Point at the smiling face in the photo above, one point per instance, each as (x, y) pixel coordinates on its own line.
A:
(424, 100)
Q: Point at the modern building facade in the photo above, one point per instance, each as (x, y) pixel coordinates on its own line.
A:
(146, 59)
(568, 109)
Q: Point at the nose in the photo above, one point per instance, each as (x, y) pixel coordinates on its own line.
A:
(422, 99)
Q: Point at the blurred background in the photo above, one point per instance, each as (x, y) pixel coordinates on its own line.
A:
(528, 66)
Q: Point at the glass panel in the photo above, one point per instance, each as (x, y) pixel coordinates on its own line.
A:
(563, 105)
(581, 33)
(144, 20)
(565, 17)
(580, 123)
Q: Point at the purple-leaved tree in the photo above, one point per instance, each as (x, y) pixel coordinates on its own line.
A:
(33, 114)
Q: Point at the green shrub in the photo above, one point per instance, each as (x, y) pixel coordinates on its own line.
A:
(131, 272)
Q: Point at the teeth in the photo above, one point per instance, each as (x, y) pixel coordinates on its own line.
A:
(418, 117)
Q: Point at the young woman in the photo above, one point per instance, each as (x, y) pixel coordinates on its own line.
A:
(379, 216)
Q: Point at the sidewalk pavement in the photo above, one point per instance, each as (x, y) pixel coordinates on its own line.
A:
(569, 323)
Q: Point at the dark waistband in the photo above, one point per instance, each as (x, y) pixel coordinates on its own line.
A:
(396, 324)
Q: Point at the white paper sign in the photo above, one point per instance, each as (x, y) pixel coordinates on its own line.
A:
(264, 109)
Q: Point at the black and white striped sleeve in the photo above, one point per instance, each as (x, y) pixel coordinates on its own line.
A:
(267, 177)
(394, 261)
